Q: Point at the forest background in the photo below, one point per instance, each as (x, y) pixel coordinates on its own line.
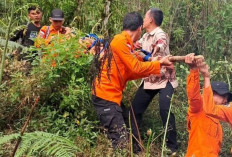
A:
(64, 121)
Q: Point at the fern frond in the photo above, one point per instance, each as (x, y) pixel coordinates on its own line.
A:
(8, 138)
(46, 143)
(3, 24)
(38, 145)
(53, 149)
(11, 44)
(22, 149)
(3, 31)
(43, 143)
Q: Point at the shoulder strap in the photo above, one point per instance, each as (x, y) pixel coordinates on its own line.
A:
(47, 32)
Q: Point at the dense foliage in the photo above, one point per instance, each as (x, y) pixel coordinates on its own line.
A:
(61, 78)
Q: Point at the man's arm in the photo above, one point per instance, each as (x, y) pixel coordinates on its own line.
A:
(193, 92)
(220, 112)
(161, 43)
(193, 86)
(69, 32)
(138, 68)
(17, 35)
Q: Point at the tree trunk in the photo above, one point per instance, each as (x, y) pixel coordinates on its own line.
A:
(106, 17)
(78, 13)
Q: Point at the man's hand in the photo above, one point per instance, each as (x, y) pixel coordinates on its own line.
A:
(156, 58)
(165, 61)
(170, 67)
(15, 52)
(156, 49)
(189, 59)
(137, 45)
(203, 68)
(68, 31)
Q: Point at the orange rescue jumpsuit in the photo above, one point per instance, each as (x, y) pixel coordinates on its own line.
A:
(220, 112)
(205, 132)
(45, 36)
(124, 67)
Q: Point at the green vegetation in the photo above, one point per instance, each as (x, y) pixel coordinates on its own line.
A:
(65, 116)
(41, 143)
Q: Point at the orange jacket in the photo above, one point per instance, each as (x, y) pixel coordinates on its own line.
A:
(220, 112)
(205, 133)
(45, 36)
(124, 67)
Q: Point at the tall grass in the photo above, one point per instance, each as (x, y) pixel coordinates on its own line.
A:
(166, 128)
(7, 38)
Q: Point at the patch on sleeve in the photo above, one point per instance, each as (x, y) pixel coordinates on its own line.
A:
(41, 34)
(129, 46)
(160, 41)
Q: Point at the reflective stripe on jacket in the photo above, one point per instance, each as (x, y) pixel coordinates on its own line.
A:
(45, 38)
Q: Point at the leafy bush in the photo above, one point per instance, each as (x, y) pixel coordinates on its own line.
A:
(43, 144)
(60, 78)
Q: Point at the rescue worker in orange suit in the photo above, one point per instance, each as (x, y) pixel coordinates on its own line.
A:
(205, 132)
(47, 33)
(124, 66)
(216, 98)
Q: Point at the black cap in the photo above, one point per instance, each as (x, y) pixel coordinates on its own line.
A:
(57, 14)
(220, 88)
